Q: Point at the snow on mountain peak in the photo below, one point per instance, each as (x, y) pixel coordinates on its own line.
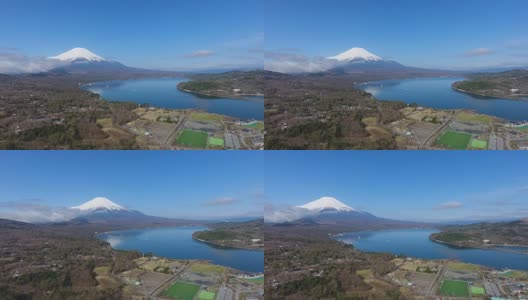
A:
(78, 54)
(356, 53)
(327, 203)
(99, 203)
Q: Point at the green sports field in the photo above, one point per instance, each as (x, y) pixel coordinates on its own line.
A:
(190, 138)
(479, 291)
(216, 142)
(454, 140)
(182, 291)
(478, 144)
(205, 295)
(454, 288)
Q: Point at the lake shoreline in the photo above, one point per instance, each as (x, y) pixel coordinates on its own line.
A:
(233, 97)
(482, 247)
(225, 246)
(485, 96)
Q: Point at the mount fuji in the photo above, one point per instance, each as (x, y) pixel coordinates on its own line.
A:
(331, 212)
(361, 61)
(101, 210)
(81, 61)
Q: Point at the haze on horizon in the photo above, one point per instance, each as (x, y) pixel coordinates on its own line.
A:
(160, 34)
(210, 185)
(424, 186)
(454, 35)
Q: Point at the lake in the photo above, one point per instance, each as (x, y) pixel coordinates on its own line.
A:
(437, 93)
(177, 243)
(162, 92)
(416, 243)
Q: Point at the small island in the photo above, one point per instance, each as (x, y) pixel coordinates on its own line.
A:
(507, 85)
(508, 236)
(233, 85)
(242, 235)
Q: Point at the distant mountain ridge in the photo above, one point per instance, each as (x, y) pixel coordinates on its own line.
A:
(331, 212)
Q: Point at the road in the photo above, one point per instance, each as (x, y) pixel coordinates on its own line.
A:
(169, 280)
(435, 134)
(172, 135)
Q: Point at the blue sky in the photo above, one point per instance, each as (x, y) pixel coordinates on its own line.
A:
(409, 185)
(450, 34)
(162, 34)
(161, 183)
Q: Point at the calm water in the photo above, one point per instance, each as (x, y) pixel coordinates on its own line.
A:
(162, 92)
(437, 93)
(416, 243)
(177, 243)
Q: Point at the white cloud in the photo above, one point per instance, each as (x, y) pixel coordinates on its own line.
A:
(480, 52)
(296, 63)
(14, 63)
(287, 214)
(449, 205)
(200, 53)
(32, 212)
(221, 201)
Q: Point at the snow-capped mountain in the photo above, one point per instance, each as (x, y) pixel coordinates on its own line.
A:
(99, 203)
(84, 61)
(78, 54)
(356, 53)
(327, 204)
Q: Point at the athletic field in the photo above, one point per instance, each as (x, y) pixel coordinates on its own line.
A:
(216, 142)
(205, 295)
(182, 291)
(478, 144)
(454, 140)
(479, 291)
(190, 138)
(454, 288)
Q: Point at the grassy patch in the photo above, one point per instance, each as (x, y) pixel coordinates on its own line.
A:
(478, 144)
(454, 288)
(477, 290)
(182, 291)
(457, 266)
(101, 270)
(205, 295)
(216, 142)
(206, 268)
(259, 280)
(515, 274)
(366, 274)
(256, 125)
(190, 138)
(200, 116)
(454, 140)
(473, 118)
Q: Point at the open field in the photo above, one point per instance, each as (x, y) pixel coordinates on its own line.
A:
(195, 139)
(454, 288)
(205, 295)
(477, 290)
(206, 268)
(454, 140)
(259, 280)
(216, 142)
(471, 117)
(200, 116)
(182, 291)
(256, 125)
(478, 144)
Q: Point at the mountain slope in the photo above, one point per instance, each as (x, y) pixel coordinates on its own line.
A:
(328, 211)
(78, 54)
(327, 204)
(356, 54)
